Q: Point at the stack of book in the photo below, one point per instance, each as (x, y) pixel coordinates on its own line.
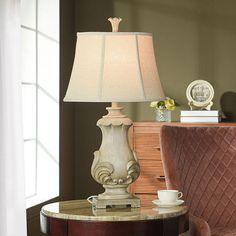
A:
(200, 116)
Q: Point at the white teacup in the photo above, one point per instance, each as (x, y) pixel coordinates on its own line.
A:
(169, 195)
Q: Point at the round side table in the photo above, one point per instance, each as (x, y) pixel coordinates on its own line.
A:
(79, 218)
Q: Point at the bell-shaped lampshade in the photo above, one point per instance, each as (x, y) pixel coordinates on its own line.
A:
(114, 67)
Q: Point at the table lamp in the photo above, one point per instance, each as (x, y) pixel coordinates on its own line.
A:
(114, 67)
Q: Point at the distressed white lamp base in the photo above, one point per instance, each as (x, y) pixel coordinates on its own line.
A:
(115, 165)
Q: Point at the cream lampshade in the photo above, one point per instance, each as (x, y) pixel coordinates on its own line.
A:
(114, 67)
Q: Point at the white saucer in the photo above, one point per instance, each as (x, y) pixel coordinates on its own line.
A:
(168, 204)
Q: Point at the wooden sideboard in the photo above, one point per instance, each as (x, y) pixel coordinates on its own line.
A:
(144, 139)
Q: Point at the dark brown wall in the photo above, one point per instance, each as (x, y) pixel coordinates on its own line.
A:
(67, 110)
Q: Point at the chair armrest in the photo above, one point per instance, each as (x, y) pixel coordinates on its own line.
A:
(198, 226)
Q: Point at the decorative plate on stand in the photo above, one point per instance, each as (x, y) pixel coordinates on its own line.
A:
(200, 94)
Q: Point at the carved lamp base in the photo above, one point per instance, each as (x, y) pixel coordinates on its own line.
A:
(115, 166)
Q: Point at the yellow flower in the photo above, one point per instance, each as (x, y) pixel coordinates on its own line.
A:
(170, 104)
(153, 104)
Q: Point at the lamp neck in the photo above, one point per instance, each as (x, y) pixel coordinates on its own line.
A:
(114, 104)
(114, 111)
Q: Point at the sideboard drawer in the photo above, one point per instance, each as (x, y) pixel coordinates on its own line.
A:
(145, 141)
(151, 177)
(150, 169)
(148, 185)
(147, 146)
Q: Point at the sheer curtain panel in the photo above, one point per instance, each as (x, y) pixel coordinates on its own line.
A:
(12, 194)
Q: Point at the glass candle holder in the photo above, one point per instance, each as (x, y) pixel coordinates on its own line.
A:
(163, 115)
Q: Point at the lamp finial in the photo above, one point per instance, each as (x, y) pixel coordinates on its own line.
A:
(115, 21)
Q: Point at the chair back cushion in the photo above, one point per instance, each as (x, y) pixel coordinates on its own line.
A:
(201, 162)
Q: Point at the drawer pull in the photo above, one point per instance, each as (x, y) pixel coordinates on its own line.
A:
(158, 148)
(161, 177)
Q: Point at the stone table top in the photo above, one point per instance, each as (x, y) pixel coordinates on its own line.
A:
(82, 210)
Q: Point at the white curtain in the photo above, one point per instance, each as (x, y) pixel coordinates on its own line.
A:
(12, 194)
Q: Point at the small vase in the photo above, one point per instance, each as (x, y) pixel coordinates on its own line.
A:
(163, 115)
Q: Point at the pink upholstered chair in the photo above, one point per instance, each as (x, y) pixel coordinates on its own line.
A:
(201, 162)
